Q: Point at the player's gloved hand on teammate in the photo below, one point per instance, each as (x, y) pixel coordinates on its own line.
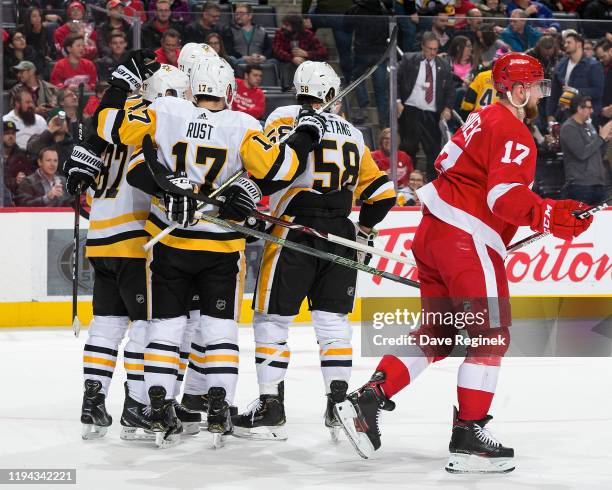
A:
(254, 224)
(136, 66)
(82, 168)
(365, 238)
(239, 200)
(557, 218)
(180, 209)
(311, 122)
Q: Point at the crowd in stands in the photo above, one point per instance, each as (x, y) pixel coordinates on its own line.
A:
(446, 50)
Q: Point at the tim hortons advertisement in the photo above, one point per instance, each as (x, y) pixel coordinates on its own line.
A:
(547, 267)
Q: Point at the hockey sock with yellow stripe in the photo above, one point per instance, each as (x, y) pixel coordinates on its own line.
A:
(100, 350)
(161, 356)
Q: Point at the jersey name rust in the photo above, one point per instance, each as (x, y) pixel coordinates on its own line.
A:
(199, 130)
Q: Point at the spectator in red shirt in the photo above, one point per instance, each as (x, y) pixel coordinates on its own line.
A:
(73, 70)
(382, 157)
(249, 97)
(94, 100)
(75, 24)
(170, 48)
(153, 31)
(293, 44)
(134, 8)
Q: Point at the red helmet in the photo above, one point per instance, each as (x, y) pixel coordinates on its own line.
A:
(512, 68)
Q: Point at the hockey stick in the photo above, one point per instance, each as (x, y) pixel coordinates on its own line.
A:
(578, 214)
(169, 229)
(76, 324)
(159, 175)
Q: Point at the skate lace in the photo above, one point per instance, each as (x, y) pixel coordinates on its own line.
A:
(486, 437)
(253, 407)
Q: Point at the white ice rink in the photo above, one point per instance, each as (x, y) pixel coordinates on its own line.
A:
(556, 413)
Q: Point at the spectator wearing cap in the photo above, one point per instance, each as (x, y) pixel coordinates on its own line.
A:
(39, 34)
(74, 69)
(114, 23)
(153, 30)
(179, 10)
(170, 48)
(118, 46)
(583, 147)
(293, 44)
(249, 97)
(577, 71)
(17, 164)
(44, 94)
(24, 116)
(75, 24)
(17, 51)
(382, 157)
(536, 10)
(246, 42)
(44, 187)
(519, 35)
(199, 29)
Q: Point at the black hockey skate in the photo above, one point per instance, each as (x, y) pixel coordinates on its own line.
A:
(94, 417)
(135, 420)
(164, 422)
(190, 419)
(474, 450)
(359, 415)
(219, 419)
(196, 403)
(265, 419)
(337, 394)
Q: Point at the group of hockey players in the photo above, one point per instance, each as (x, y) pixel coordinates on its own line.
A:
(182, 299)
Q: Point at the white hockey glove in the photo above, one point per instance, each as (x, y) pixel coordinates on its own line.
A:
(364, 238)
(136, 67)
(83, 167)
(311, 122)
(180, 209)
(239, 200)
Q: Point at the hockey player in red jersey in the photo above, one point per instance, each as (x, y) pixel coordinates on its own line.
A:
(470, 214)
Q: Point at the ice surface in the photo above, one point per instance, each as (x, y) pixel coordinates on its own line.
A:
(556, 413)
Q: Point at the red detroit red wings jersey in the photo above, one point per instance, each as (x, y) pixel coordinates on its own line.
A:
(485, 174)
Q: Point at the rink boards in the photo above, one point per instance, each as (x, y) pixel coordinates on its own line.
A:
(35, 260)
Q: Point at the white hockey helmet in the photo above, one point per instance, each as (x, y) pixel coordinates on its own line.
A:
(214, 77)
(192, 53)
(316, 79)
(166, 78)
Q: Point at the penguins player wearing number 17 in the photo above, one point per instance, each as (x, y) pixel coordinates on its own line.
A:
(201, 145)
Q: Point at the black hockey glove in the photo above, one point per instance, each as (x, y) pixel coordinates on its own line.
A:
(83, 167)
(312, 123)
(180, 209)
(254, 224)
(136, 66)
(239, 200)
(365, 239)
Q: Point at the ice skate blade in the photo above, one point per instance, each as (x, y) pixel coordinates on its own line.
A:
(191, 428)
(261, 433)
(166, 442)
(471, 463)
(334, 433)
(218, 440)
(346, 414)
(136, 434)
(204, 424)
(91, 431)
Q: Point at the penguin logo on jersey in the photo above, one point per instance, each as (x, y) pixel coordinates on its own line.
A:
(220, 304)
(140, 299)
(350, 291)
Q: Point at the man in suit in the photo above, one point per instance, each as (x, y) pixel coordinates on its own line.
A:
(427, 93)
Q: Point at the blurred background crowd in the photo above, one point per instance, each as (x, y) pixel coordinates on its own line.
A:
(441, 71)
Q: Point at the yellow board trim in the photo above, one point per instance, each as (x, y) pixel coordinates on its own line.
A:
(53, 314)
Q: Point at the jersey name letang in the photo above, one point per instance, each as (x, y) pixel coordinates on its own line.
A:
(338, 127)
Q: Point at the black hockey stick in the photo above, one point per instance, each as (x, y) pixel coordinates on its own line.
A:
(76, 325)
(578, 214)
(159, 174)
